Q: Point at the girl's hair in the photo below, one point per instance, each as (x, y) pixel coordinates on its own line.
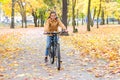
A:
(53, 12)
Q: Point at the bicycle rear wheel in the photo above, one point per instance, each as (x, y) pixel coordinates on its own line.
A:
(58, 57)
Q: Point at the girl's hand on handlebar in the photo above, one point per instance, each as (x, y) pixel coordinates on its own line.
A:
(65, 31)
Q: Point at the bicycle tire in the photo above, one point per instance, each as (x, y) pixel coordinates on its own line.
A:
(51, 55)
(58, 57)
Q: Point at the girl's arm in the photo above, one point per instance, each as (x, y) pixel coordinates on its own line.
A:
(46, 26)
(61, 24)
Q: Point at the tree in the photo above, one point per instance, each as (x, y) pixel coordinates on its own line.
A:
(94, 10)
(35, 8)
(88, 16)
(12, 15)
(73, 16)
(94, 15)
(82, 16)
(98, 13)
(42, 16)
(103, 17)
(64, 12)
(22, 5)
(81, 10)
(67, 10)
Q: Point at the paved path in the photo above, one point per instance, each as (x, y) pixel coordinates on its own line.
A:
(28, 63)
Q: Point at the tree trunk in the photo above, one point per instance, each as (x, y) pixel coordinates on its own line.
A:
(97, 22)
(118, 21)
(25, 19)
(42, 23)
(102, 17)
(82, 19)
(98, 14)
(12, 15)
(38, 23)
(23, 13)
(94, 15)
(77, 18)
(35, 18)
(42, 20)
(64, 12)
(91, 20)
(35, 21)
(107, 20)
(73, 15)
(68, 21)
(22, 22)
(88, 15)
(113, 21)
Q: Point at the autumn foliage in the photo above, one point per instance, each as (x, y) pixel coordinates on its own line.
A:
(8, 41)
(99, 44)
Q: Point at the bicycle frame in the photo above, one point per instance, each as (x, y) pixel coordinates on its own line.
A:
(54, 43)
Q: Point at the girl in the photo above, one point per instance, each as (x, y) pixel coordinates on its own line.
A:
(52, 25)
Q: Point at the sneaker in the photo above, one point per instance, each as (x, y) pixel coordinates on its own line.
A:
(46, 59)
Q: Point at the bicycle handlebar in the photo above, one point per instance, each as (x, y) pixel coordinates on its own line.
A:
(51, 32)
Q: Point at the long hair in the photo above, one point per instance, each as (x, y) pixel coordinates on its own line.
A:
(53, 12)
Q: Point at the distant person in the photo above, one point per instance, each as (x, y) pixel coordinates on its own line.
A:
(52, 24)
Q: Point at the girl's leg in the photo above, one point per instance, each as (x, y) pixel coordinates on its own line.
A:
(48, 45)
(56, 39)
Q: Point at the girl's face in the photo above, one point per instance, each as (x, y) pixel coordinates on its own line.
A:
(53, 16)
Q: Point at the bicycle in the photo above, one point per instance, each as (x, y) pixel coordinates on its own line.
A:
(54, 50)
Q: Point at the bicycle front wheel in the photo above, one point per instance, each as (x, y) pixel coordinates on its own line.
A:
(58, 57)
(51, 55)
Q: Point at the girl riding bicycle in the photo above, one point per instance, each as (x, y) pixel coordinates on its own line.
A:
(52, 25)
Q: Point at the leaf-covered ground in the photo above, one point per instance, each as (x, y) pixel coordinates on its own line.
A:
(91, 55)
(99, 51)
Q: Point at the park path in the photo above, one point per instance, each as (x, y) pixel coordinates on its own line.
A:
(28, 63)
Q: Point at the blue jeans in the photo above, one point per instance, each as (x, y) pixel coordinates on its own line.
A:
(49, 39)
